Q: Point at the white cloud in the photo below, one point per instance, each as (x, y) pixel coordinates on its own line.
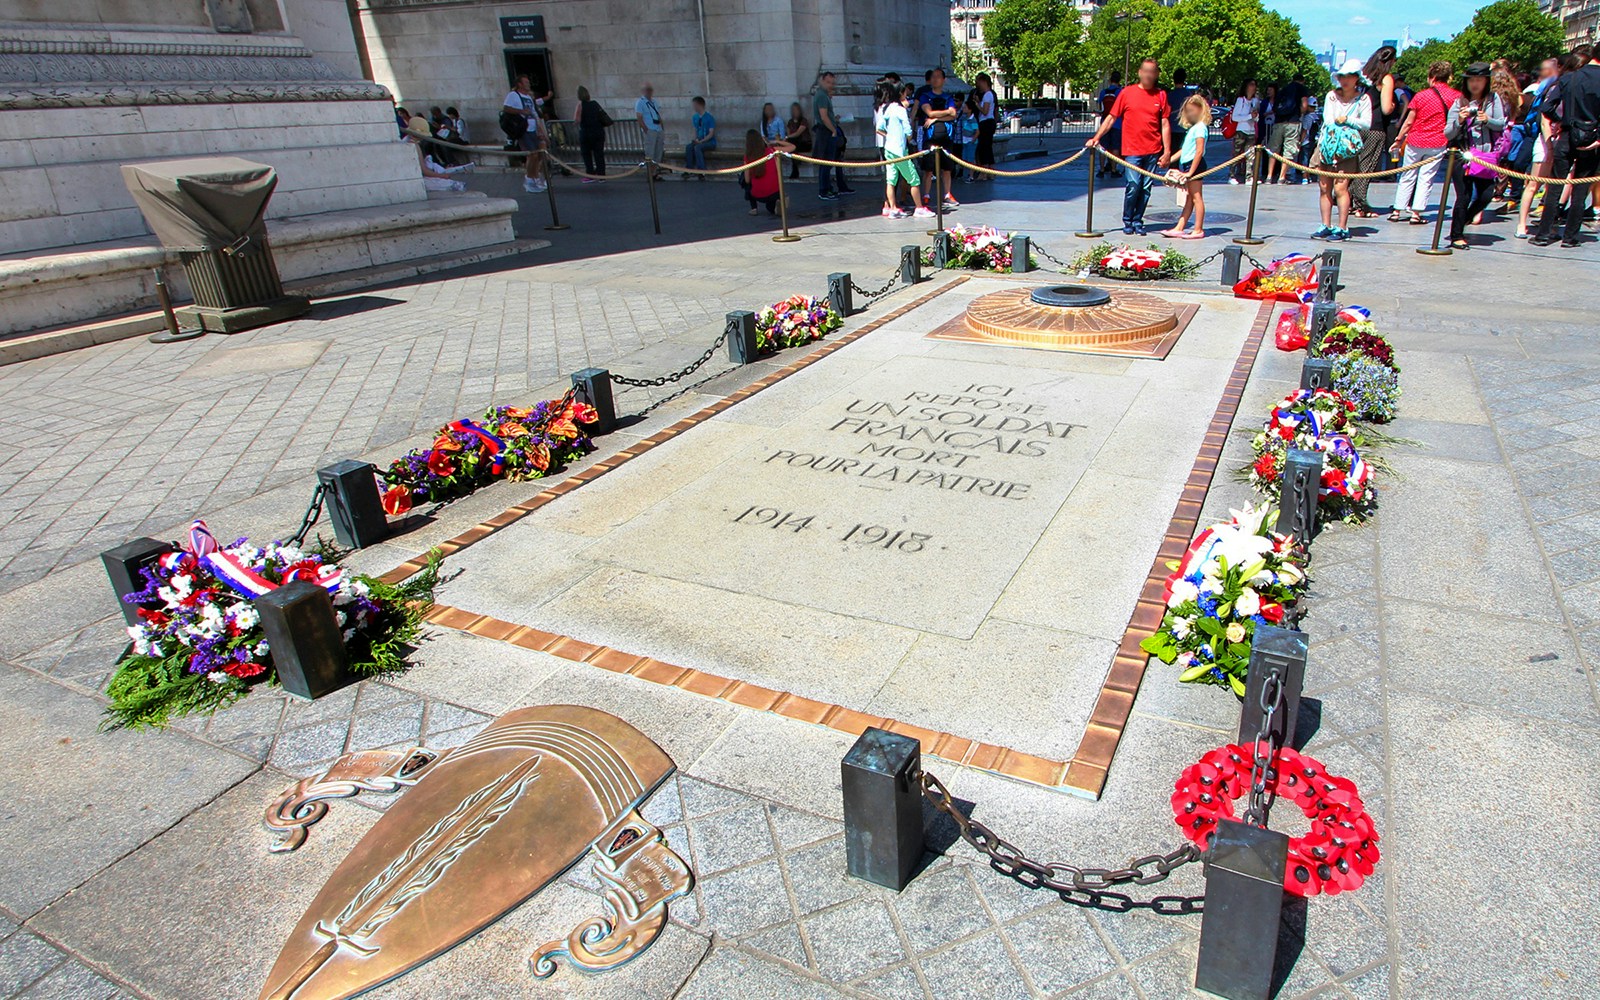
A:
(1433, 22)
(1358, 19)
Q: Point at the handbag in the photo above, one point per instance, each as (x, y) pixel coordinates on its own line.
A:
(1229, 126)
(1338, 142)
(1481, 162)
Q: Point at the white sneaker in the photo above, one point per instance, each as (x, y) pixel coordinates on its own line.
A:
(897, 214)
(923, 213)
(1234, 180)
(889, 213)
(540, 187)
(528, 185)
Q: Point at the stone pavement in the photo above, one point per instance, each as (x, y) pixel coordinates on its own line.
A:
(1456, 639)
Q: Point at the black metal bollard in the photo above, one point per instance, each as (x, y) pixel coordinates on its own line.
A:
(881, 778)
(1328, 283)
(354, 507)
(910, 265)
(1019, 255)
(1316, 373)
(306, 642)
(742, 337)
(1324, 317)
(1281, 651)
(1244, 905)
(942, 251)
(1232, 265)
(593, 386)
(123, 564)
(1297, 503)
(839, 294)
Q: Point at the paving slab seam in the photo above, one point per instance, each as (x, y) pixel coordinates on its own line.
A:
(515, 513)
(70, 955)
(1090, 765)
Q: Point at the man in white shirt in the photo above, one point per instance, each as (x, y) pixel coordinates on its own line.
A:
(648, 114)
(519, 102)
(1247, 125)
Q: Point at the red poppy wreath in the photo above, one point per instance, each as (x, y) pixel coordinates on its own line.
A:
(1338, 852)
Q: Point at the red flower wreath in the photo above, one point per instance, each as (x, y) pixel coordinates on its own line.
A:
(1336, 855)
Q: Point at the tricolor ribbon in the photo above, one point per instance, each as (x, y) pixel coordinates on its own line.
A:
(230, 569)
(1355, 314)
(492, 446)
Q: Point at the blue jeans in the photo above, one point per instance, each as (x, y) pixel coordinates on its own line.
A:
(694, 154)
(1137, 194)
(825, 146)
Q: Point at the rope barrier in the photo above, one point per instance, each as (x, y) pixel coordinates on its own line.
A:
(636, 168)
(1372, 175)
(1224, 165)
(1016, 173)
(722, 171)
(1519, 175)
(803, 158)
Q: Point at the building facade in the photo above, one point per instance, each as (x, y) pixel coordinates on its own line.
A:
(1580, 19)
(738, 54)
(966, 27)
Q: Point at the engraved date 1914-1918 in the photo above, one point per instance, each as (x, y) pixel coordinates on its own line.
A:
(875, 536)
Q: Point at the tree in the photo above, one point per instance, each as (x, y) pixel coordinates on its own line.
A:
(1412, 66)
(967, 60)
(1108, 39)
(1004, 29)
(1047, 57)
(1222, 43)
(1509, 29)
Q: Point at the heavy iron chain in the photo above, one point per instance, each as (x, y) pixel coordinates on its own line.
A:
(1264, 751)
(313, 513)
(1256, 263)
(1086, 886)
(682, 373)
(1047, 255)
(867, 296)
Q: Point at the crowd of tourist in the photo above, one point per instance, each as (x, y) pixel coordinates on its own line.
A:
(1369, 128)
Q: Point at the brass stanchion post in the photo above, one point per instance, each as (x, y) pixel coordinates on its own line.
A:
(936, 190)
(1444, 204)
(1089, 231)
(650, 182)
(1249, 238)
(776, 163)
(550, 192)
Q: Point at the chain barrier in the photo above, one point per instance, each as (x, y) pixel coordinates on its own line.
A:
(1047, 255)
(1264, 751)
(867, 297)
(680, 374)
(680, 391)
(312, 515)
(1075, 884)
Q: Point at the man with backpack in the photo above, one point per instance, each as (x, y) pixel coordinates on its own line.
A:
(1574, 148)
(519, 119)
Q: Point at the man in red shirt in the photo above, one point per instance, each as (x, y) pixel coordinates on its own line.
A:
(1146, 140)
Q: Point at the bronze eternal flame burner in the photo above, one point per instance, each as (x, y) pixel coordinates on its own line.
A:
(1081, 318)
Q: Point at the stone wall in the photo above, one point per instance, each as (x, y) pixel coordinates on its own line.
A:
(752, 51)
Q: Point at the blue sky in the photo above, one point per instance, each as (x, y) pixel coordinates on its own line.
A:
(1362, 25)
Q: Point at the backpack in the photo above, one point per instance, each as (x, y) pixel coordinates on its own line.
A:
(514, 126)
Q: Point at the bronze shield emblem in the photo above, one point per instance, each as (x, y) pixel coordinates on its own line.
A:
(488, 824)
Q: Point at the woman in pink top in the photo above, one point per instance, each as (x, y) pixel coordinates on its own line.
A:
(1421, 137)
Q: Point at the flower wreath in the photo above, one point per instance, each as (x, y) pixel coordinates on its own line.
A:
(1131, 259)
(1338, 852)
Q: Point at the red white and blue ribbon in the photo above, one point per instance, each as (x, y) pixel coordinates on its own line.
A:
(233, 571)
(201, 540)
(1355, 314)
(492, 446)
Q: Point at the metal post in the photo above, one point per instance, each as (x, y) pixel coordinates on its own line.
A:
(1332, 257)
(550, 193)
(783, 205)
(1232, 264)
(171, 334)
(910, 265)
(1019, 255)
(593, 386)
(1089, 231)
(123, 565)
(1316, 373)
(1245, 866)
(1249, 238)
(941, 250)
(1444, 205)
(351, 489)
(303, 634)
(839, 294)
(1324, 316)
(937, 190)
(881, 778)
(650, 182)
(742, 347)
(1280, 651)
(1328, 283)
(1297, 500)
